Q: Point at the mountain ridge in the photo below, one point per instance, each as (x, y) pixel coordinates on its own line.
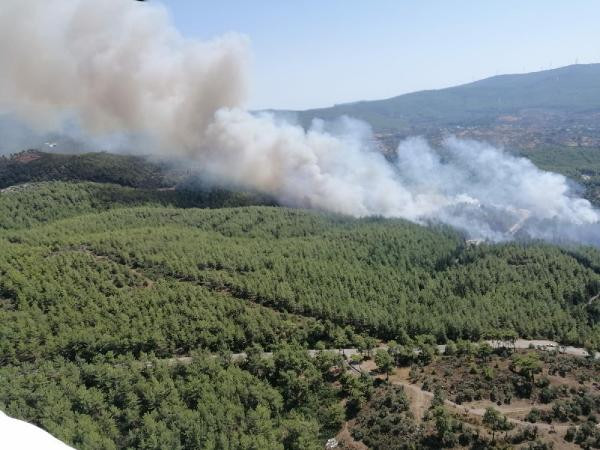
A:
(569, 89)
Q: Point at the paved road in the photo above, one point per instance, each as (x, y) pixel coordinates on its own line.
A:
(348, 352)
(544, 345)
(540, 344)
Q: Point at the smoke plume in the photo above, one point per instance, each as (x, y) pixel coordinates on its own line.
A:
(115, 66)
(119, 67)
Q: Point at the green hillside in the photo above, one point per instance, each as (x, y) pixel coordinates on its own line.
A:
(125, 170)
(102, 285)
(571, 89)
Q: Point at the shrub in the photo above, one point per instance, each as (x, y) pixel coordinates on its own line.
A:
(533, 416)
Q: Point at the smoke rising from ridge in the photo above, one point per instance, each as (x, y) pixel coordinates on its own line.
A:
(120, 67)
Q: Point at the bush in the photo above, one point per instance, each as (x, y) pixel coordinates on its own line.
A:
(534, 415)
(539, 445)
(542, 382)
(466, 395)
(529, 433)
(547, 395)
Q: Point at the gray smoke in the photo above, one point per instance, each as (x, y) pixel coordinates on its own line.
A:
(118, 67)
(114, 66)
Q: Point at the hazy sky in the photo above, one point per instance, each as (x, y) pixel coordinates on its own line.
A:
(309, 53)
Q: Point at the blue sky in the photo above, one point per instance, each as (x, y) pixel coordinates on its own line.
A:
(312, 53)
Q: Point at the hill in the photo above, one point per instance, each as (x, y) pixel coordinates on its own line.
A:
(126, 170)
(557, 108)
(150, 310)
(572, 89)
(104, 288)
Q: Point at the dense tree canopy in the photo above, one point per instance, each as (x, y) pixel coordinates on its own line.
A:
(102, 286)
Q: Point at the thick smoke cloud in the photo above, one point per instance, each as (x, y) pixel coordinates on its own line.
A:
(115, 66)
(119, 67)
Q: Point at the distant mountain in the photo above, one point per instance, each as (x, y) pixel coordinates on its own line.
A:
(568, 90)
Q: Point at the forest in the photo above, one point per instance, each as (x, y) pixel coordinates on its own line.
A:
(105, 287)
(126, 170)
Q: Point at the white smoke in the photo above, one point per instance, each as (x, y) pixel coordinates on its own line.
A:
(120, 67)
(494, 195)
